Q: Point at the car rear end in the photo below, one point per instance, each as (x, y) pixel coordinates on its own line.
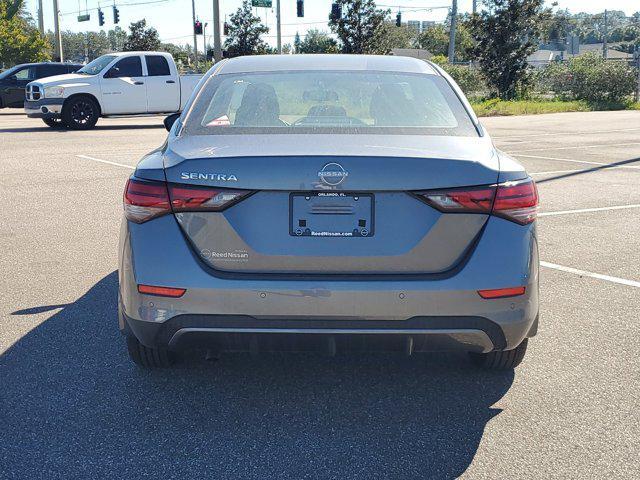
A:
(310, 209)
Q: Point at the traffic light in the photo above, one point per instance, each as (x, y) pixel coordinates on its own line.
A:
(336, 11)
(225, 29)
(197, 27)
(100, 17)
(300, 6)
(116, 14)
(399, 20)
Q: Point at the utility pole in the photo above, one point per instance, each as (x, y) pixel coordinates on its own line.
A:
(217, 42)
(58, 37)
(278, 27)
(204, 39)
(637, 95)
(195, 37)
(452, 31)
(40, 18)
(475, 6)
(605, 47)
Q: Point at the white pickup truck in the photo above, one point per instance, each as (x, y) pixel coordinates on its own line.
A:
(116, 84)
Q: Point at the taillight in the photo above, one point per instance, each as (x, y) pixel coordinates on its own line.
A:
(461, 200)
(516, 201)
(192, 198)
(144, 200)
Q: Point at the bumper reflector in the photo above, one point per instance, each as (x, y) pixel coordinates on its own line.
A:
(161, 291)
(502, 292)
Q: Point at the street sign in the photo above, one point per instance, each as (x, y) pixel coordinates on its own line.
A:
(262, 3)
(84, 18)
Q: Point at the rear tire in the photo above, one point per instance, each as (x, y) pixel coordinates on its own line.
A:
(55, 122)
(505, 360)
(148, 357)
(81, 112)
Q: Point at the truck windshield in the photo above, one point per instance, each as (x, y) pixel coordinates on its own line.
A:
(96, 66)
(349, 102)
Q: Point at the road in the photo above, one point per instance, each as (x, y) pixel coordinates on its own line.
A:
(73, 406)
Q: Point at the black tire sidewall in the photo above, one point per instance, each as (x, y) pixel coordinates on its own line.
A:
(67, 113)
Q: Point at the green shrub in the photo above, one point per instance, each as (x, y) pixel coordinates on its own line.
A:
(591, 78)
(468, 78)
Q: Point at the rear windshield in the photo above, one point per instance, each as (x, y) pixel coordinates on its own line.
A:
(328, 102)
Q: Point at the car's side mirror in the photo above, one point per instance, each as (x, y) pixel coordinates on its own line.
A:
(170, 120)
(12, 79)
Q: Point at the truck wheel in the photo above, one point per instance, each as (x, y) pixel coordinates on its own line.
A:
(80, 113)
(148, 357)
(505, 360)
(55, 122)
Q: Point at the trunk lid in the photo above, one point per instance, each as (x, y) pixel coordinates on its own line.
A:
(315, 212)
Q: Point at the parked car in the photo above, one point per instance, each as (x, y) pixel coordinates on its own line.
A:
(14, 80)
(116, 84)
(328, 202)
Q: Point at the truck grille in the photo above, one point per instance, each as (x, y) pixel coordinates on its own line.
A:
(33, 92)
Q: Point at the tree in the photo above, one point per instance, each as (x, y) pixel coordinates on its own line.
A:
(387, 37)
(296, 43)
(20, 41)
(316, 41)
(182, 54)
(436, 40)
(78, 45)
(117, 38)
(244, 33)
(357, 25)
(141, 38)
(505, 34)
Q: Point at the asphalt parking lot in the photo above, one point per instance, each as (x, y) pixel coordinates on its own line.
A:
(73, 406)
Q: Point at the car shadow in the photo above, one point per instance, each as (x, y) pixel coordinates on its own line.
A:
(74, 406)
(65, 130)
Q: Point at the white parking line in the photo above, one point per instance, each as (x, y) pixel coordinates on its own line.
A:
(586, 210)
(583, 273)
(632, 167)
(578, 147)
(555, 134)
(555, 171)
(87, 157)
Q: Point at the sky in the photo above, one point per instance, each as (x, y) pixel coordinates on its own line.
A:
(173, 20)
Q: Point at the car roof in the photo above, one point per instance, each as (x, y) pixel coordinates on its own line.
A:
(270, 63)
(35, 64)
(122, 54)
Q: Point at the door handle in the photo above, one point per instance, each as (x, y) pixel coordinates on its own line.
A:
(138, 83)
(171, 81)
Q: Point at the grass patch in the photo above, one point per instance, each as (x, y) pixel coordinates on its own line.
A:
(497, 107)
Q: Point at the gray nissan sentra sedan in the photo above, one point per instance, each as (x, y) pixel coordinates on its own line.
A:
(328, 203)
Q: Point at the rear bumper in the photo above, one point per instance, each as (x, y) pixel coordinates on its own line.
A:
(45, 108)
(436, 313)
(244, 333)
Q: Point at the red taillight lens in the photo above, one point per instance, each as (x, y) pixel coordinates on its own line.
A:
(145, 200)
(517, 201)
(161, 291)
(192, 198)
(462, 200)
(502, 292)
